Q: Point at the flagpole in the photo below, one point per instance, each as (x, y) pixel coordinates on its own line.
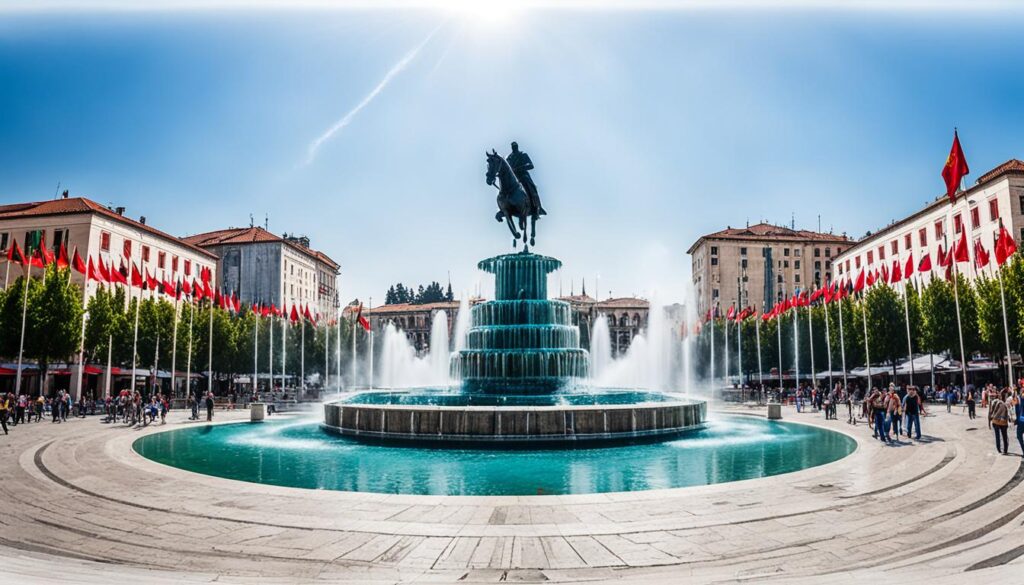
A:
(353, 382)
(209, 353)
(828, 340)
(302, 355)
(906, 319)
(284, 351)
(337, 363)
(270, 358)
(24, 317)
(174, 345)
(256, 354)
(81, 346)
(188, 367)
(959, 326)
(7, 273)
(739, 353)
(371, 348)
(796, 348)
(156, 362)
(842, 343)
(810, 345)
(327, 355)
(725, 348)
(867, 350)
(757, 333)
(712, 351)
(778, 330)
(135, 331)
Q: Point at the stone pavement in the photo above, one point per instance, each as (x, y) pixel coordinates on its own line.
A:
(77, 505)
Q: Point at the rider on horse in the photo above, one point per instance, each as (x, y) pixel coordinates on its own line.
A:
(521, 166)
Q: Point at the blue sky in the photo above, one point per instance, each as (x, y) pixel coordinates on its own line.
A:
(648, 127)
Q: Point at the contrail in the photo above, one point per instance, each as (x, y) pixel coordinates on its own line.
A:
(347, 118)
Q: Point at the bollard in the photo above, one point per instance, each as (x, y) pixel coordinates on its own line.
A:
(774, 411)
(257, 412)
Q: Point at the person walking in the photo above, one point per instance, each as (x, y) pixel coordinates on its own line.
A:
(949, 399)
(912, 411)
(5, 410)
(971, 400)
(19, 410)
(209, 406)
(193, 406)
(1018, 410)
(893, 415)
(998, 421)
(876, 404)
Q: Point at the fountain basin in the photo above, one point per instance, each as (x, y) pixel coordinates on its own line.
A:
(420, 416)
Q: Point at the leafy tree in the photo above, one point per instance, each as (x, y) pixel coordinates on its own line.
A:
(991, 332)
(886, 326)
(847, 332)
(54, 319)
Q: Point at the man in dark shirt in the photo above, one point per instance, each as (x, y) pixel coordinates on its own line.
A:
(912, 410)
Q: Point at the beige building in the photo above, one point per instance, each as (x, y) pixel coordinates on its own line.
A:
(761, 264)
(997, 194)
(100, 233)
(262, 267)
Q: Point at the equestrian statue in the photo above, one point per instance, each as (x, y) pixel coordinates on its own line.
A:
(517, 193)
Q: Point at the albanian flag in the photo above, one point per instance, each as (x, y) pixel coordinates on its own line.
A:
(955, 168)
(362, 320)
(1005, 246)
(960, 251)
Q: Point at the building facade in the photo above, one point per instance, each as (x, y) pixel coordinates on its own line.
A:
(262, 267)
(627, 317)
(761, 264)
(415, 321)
(997, 195)
(102, 234)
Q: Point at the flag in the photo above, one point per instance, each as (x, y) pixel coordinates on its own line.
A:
(102, 269)
(731, 313)
(136, 277)
(62, 258)
(949, 272)
(859, 286)
(236, 304)
(955, 168)
(151, 281)
(37, 259)
(871, 279)
(77, 263)
(942, 258)
(366, 324)
(909, 268)
(294, 316)
(307, 314)
(48, 257)
(980, 255)
(885, 273)
(1005, 245)
(91, 273)
(186, 288)
(14, 254)
(897, 273)
(926, 263)
(960, 251)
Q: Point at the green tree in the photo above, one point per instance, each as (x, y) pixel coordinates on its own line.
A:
(54, 319)
(991, 332)
(847, 333)
(886, 326)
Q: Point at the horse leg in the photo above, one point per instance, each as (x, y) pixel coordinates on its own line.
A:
(512, 228)
(533, 228)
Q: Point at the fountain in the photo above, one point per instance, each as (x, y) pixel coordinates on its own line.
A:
(523, 379)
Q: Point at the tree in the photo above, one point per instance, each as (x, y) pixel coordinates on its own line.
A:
(54, 320)
(849, 338)
(886, 327)
(939, 318)
(991, 332)
(107, 327)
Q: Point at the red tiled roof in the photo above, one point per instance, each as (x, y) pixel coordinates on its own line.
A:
(78, 205)
(250, 235)
(1011, 166)
(631, 302)
(765, 231)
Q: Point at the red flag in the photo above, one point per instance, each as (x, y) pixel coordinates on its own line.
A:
(14, 254)
(307, 314)
(136, 277)
(236, 303)
(186, 288)
(942, 258)
(102, 269)
(197, 290)
(47, 254)
(731, 313)
(62, 258)
(216, 299)
(77, 263)
(859, 285)
(980, 255)
(960, 251)
(909, 268)
(170, 288)
(208, 290)
(949, 272)
(37, 259)
(91, 273)
(265, 311)
(885, 273)
(926, 263)
(955, 168)
(1005, 245)
(871, 279)
(120, 275)
(366, 324)
(897, 272)
(151, 281)
(294, 316)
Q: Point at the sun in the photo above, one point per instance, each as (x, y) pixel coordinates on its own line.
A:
(490, 13)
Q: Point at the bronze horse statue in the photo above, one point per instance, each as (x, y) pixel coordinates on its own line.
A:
(513, 201)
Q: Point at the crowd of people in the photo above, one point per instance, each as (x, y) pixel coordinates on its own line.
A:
(898, 409)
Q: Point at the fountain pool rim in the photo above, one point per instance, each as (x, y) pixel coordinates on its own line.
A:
(215, 481)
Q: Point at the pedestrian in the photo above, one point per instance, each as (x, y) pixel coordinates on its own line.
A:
(40, 406)
(876, 404)
(209, 406)
(949, 399)
(912, 410)
(19, 410)
(1018, 410)
(892, 411)
(193, 406)
(163, 410)
(998, 421)
(54, 410)
(970, 399)
(5, 410)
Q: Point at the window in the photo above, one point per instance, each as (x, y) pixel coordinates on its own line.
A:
(817, 252)
(939, 229)
(828, 252)
(104, 241)
(796, 252)
(922, 236)
(828, 264)
(975, 217)
(714, 293)
(145, 253)
(817, 264)
(714, 250)
(993, 209)
(785, 263)
(907, 242)
(871, 256)
(188, 267)
(796, 278)
(848, 264)
(894, 247)
(1022, 203)
(958, 224)
(59, 237)
(796, 264)
(785, 252)
(714, 261)
(743, 263)
(780, 279)
(743, 251)
(161, 257)
(127, 248)
(881, 252)
(174, 264)
(3, 241)
(856, 261)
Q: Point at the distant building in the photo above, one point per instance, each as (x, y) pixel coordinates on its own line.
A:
(997, 194)
(101, 233)
(414, 320)
(760, 264)
(266, 268)
(626, 316)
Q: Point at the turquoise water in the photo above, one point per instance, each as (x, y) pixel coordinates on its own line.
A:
(298, 453)
(443, 397)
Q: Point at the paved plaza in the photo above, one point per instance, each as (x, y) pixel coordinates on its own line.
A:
(80, 506)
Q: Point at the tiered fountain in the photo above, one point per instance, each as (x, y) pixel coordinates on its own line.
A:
(523, 381)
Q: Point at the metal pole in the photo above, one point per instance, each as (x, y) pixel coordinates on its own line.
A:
(353, 382)
(327, 355)
(24, 317)
(1006, 329)
(796, 348)
(174, 345)
(270, 356)
(725, 348)
(906, 319)
(712, 350)
(828, 345)
(135, 335)
(188, 361)
(778, 330)
(757, 332)
(302, 355)
(156, 362)
(209, 356)
(371, 347)
(867, 350)
(256, 354)
(810, 346)
(842, 344)
(81, 346)
(337, 364)
(739, 352)
(959, 327)
(284, 350)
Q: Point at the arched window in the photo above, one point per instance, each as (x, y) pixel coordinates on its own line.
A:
(624, 320)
